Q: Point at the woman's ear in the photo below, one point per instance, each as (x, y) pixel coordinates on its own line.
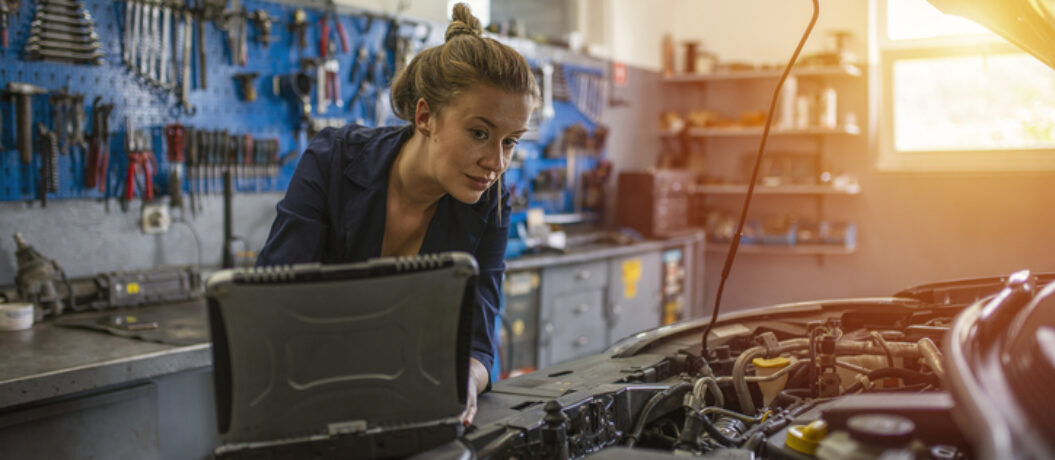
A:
(423, 117)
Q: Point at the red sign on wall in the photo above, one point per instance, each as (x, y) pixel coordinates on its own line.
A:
(619, 74)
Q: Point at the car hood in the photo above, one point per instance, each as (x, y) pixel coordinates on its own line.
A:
(1029, 24)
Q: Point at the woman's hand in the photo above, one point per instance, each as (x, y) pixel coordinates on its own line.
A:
(478, 377)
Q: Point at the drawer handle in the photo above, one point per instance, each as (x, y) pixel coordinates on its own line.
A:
(616, 310)
(581, 341)
(582, 275)
(580, 309)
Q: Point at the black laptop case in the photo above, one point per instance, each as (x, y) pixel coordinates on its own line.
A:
(364, 360)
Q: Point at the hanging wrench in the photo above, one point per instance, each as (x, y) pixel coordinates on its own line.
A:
(132, 43)
(166, 33)
(189, 109)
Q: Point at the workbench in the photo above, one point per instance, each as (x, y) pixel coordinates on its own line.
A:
(77, 393)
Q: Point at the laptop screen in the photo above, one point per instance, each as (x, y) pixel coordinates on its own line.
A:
(317, 349)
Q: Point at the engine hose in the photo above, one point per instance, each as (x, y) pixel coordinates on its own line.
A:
(743, 395)
(720, 437)
(903, 374)
(842, 347)
(678, 388)
(932, 356)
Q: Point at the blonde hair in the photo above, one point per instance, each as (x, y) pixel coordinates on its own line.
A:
(466, 58)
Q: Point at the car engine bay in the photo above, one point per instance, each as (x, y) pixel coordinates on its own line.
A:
(851, 378)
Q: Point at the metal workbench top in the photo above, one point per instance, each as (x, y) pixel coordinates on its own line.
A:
(597, 251)
(48, 361)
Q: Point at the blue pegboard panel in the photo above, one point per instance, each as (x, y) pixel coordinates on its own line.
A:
(219, 107)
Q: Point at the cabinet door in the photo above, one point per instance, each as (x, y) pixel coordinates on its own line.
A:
(633, 294)
(574, 278)
(574, 326)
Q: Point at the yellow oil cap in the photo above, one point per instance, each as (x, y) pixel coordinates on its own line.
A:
(804, 438)
(778, 362)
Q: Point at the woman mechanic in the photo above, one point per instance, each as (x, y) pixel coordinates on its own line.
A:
(431, 186)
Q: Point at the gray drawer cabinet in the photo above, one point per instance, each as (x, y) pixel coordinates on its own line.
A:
(586, 301)
(574, 278)
(578, 326)
(634, 294)
(571, 313)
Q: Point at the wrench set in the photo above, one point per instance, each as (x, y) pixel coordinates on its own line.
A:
(63, 30)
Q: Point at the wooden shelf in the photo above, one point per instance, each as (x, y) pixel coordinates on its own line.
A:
(740, 189)
(789, 250)
(847, 70)
(757, 131)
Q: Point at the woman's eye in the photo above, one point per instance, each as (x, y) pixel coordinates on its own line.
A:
(479, 134)
(511, 142)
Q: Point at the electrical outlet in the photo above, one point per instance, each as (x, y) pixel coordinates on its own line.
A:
(155, 219)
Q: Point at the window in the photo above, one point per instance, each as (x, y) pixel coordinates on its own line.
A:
(955, 97)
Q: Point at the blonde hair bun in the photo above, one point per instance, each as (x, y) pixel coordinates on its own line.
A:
(463, 22)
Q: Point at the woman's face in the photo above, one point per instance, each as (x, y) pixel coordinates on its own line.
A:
(471, 141)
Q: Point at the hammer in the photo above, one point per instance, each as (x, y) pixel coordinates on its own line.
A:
(23, 92)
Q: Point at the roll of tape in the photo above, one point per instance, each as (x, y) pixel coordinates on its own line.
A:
(16, 316)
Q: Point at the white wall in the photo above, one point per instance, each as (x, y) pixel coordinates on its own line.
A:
(430, 10)
(755, 31)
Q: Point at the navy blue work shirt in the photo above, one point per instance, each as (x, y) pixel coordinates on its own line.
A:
(334, 212)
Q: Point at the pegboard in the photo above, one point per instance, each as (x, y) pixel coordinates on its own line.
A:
(219, 106)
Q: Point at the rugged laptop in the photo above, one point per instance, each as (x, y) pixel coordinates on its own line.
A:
(364, 360)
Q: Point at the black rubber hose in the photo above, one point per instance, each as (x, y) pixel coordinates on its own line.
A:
(651, 405)
(903, 374)
(731, 255)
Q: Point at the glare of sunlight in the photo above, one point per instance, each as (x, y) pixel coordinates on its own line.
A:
(915, 19)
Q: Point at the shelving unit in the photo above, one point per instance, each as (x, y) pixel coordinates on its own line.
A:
(850, 70)
(757, 131)
(777, 250)
(726, 141)
(740, 189)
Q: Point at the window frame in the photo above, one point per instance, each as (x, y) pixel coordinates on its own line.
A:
(888, 159)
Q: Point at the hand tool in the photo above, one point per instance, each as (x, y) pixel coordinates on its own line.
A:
(175, 135)
(166, 34)
(59, 101)
(192, 165)
(23, 92)
(243, 47)
(362, 56)
(126, 37)
(298, 86)
(49, 32)
(77, 119)
(76, 57)
(247, 156)
(229, 23)
(5, 15)
(155, 38)
(95, 171)
(49, 153)
(324, 36)
(247, 85)
(263, 23)
(188, 109)
(333, 86)
(341, 34)
(80, 30)
(298, 25)
(200, 31)
(135, 24)
(140, 157)
(142, 38)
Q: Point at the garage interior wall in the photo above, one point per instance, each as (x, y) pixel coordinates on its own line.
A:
(912, 227)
